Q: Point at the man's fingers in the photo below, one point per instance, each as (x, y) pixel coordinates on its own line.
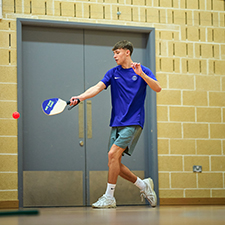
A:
(73, 101)
(134, 65)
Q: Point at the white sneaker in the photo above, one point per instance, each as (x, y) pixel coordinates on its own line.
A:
(149, 192)
(105, 202)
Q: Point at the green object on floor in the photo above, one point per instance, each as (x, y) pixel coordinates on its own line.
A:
(19, 212)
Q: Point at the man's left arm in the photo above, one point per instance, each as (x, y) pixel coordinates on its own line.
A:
(153, 84)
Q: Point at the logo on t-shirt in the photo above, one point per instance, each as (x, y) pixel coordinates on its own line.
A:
(134, 78)
(116, 78)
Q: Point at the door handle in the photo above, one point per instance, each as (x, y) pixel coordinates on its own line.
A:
(81, 119)
(89, 119)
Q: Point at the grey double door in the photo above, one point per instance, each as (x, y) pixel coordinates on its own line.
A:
(64, 157)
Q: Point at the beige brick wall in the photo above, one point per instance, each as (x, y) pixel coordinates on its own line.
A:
(190, 65)
(194, 99)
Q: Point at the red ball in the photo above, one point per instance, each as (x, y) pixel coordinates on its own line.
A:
(16, 115)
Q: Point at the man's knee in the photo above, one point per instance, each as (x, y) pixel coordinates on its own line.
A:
(112, 155)
(115, 153)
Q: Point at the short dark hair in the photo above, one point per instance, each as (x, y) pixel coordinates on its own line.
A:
(124, 45)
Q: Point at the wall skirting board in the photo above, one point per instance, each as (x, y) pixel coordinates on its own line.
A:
(192, 201)
(14, 204)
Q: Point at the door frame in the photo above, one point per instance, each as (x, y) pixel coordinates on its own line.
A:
(150, 122)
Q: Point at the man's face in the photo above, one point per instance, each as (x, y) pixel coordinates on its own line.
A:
(120, 55)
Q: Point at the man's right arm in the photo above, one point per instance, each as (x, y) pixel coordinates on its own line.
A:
(89, 93)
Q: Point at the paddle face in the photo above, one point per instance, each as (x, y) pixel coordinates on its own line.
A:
(53, 106)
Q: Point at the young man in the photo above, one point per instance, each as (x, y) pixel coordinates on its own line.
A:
(128, 83)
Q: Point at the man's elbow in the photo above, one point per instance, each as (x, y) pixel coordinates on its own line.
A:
(158, 88)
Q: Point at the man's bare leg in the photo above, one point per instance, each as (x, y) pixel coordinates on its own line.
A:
(117, 168)
(127, 174)
(114, 163)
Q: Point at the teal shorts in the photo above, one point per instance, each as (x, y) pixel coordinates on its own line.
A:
(125, 137)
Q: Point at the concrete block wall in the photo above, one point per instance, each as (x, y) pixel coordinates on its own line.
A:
(190, 65)
(191, 127)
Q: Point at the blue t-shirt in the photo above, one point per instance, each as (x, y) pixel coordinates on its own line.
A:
(128, 91)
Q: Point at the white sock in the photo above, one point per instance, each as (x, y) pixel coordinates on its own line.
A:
(140, 184)
(110, 190)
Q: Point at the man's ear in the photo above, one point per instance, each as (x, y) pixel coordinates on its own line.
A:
(127, 52)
